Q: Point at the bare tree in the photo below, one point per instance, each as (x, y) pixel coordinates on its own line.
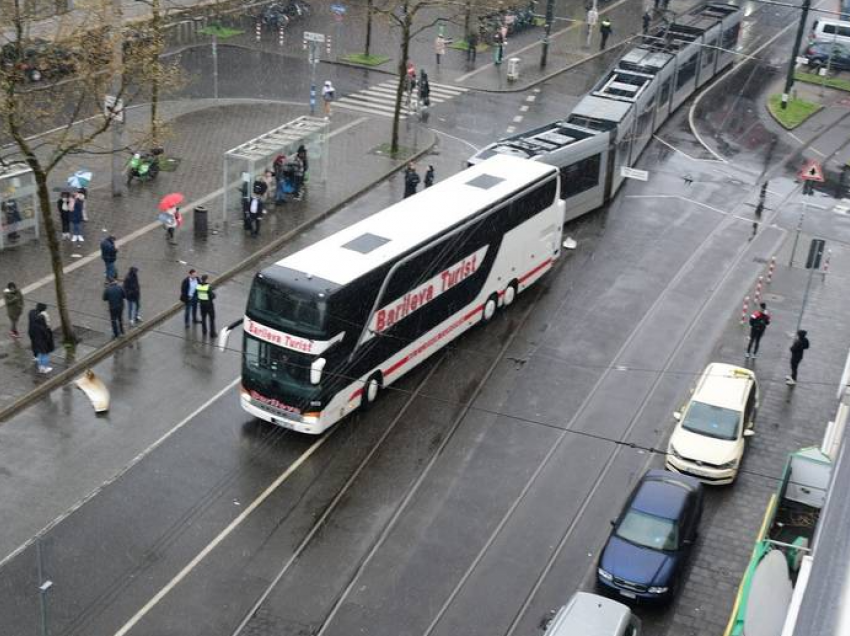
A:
(52, 82)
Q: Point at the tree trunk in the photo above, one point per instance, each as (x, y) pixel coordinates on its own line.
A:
(45, 204)
(368, 27)
(402, 73)
(467, 18)
(156, 27)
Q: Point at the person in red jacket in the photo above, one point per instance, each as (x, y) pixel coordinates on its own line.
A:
(758, 324)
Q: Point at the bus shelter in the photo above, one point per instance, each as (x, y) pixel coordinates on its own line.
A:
(18, 205)
(247, 162)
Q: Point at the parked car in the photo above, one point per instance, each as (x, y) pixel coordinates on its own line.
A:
(38, 59)
(593, 615)
(651, 540)
(818, 55)
(709, 439)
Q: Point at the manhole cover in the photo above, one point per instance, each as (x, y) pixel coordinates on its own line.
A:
(760, 259)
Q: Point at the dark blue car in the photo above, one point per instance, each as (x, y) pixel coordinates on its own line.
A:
(652, 538)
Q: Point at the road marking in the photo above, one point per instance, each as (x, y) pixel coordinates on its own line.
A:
(511, 129)
(222, 536)
(523, 108)
(152, 226)
(531, 98)
(117, 476)
(517, 119)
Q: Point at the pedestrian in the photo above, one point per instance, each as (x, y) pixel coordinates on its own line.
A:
(32, 317)
(328, 95)
(471, 46)
(410, 83)
(114, 296)
(647, 19)
(77, 218)
(296, 172)
(206, 298)
(189, 298)
(14, 300)
(800, 344)
(424, 89)
(429, 177)
(759, 321)
(268, 179)
(41, 338)
(499, 48)
(133, 294)
(301, 154)
(439, 47)
(605, 31)
(592, 20)
(171, 220)
(279, 188)
(411, 180)
(255, 213)
(65, 205)
(109, 254)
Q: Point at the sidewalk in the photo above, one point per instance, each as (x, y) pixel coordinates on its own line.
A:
(200, 137)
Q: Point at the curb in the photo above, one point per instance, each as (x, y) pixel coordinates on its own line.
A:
(70, 374)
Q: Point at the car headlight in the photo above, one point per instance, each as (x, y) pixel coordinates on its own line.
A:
(732, 464)
(672, 450)
(657, 590)
(604, 575)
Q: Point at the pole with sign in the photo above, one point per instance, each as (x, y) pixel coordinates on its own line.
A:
(312, 43)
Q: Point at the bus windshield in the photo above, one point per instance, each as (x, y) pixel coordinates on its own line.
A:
(286, 309)
(284, 365)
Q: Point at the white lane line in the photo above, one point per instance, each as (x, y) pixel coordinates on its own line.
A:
(450, 91)
(118, 475)
(517, 119)
(449, 87)
(366, 100)
(510, 129)
(386, 97)
(523, 108)
(152, 226)
(391, 94)
(371, 109)
(221, 536)
(531, 98)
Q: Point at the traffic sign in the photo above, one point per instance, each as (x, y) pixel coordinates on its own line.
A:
(633, 173)
(812, 171)
(314, 37)
(113, 108)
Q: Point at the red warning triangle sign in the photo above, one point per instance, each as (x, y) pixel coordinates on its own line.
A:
(812, 171)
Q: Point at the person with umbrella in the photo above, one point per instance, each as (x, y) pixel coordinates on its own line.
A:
(77, 217)
(169, 215)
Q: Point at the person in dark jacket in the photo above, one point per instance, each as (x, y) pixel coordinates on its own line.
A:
(41, 337)
(800, 344)
(109, 254)
(424, 89)
(189, 297)
(133, 294)
(647, 20)
(411, 180)
(114, 296)
(471, 46)
(77, 218)
(758, 324)
(255, 213)
(65, 205)
(206, 298)
(31, 318)
(429, 177)
(14, 300)
(605, 31)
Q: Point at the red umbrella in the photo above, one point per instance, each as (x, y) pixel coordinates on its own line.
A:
(171, 200)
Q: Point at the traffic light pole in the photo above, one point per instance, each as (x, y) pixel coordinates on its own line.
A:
(550, 16)
(789, 79)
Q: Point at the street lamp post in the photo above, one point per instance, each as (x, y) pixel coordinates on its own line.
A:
(789, 79)
(116, 112)
(550, 13)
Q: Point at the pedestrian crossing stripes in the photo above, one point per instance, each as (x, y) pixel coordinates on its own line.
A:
(380, 99)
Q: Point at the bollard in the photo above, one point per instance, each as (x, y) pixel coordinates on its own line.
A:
(826, 264)
(757, 295)
(745, 310)
(280, 33)
(201, 222)
(258, 31)
(771, 269)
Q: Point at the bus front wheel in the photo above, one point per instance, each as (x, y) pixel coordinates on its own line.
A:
(510, 294)
(371, 390)
(490, 306)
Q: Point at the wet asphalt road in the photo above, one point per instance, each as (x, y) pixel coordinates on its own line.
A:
(472, 500)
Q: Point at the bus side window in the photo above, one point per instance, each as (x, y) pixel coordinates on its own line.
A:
(532, 203)
(580, 176)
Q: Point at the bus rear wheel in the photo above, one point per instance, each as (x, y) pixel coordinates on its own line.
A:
(490, 306)
(371, 390)
(510, 294)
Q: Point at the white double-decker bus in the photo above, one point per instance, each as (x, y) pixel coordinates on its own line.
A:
(328, 327)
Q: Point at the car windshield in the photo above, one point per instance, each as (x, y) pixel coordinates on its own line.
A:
(713, 421)
(649, 531)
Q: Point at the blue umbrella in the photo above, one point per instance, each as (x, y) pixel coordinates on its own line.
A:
(80, 179)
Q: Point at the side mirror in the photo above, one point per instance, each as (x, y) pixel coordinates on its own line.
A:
(677, 415)
(749, 432)
(316, 370)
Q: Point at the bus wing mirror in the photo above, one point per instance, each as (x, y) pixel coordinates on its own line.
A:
(316, 370)
(224, 334)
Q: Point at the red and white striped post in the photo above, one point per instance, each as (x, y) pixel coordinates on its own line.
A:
(280, 34)
(745, 310)
(757, 295)
(771, 269)
(258, 30)
(825, 270)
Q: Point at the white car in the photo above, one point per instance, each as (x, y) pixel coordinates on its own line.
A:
(710, 435)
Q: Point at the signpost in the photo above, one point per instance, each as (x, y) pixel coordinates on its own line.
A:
(313, 43)
(810, 173)
(813, 261)
(113, 108)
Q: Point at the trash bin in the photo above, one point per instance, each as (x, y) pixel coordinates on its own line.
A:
(513, 69)
(201, 221)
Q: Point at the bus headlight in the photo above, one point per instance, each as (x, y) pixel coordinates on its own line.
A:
(316, 370)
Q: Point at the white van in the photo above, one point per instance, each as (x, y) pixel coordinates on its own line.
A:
(593, 615)
(831, 31)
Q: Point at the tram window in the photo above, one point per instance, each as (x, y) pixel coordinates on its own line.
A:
(709, 53)
(580, 176)
(665, 93)
(686, 72)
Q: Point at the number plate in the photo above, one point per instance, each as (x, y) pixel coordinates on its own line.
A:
(628, 594)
